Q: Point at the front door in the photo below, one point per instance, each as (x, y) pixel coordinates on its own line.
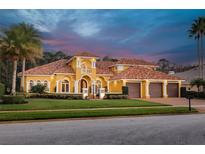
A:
(83, 84)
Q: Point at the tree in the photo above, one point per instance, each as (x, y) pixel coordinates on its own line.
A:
(197, 82)
(10, 49)
(197, 31)
(31, 46)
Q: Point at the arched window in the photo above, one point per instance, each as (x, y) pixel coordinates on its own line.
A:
(31, 84)
(38, 82)
(65, 86)
(45, 83)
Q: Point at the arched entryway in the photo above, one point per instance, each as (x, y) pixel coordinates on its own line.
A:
(85, 82)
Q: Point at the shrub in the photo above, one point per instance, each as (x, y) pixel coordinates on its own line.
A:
(125, 90)
(115, 96)
(39, 88)
(55, 96)
(195, 94)
(8, 99)
(2, 89)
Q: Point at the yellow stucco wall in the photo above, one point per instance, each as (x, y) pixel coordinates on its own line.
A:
(116, 86)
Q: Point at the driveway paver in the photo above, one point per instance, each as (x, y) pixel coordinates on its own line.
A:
(199, 104)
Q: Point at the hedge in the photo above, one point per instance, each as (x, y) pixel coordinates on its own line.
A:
(115, 96)
(2, 89)
(8, 99)
(55, 96)
(125, 90)
(195, 94)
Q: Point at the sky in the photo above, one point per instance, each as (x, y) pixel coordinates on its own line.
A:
(143, 34)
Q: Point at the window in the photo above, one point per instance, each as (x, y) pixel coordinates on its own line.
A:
(120, 67)
(31, 83)
(65, 86)
(45, 83)
(94, 64)
(38, 82)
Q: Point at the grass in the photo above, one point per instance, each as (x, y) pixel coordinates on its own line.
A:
(35, 115)
(53, 104)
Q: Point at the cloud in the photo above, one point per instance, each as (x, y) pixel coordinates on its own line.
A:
(151, 34)
(86, 29)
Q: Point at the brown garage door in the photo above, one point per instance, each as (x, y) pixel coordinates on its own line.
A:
(172, 90)
(133, 90)
(155, 90)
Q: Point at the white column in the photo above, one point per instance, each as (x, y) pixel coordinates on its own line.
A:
(123, 82)
(93, 87)
(102, 93)
(27, 86)
(57, 86)
(49, 86)
(78, 62)
(147, 95)
(108, 86)
(165, 89)
(76, 87)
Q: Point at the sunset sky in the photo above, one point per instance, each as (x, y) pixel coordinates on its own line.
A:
(147, 34)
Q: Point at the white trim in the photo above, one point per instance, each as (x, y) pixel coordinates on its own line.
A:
(108, 86)
(57, 86)
(165, 84)
(76, 84)
(147, 93)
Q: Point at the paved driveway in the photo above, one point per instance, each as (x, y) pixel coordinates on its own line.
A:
(199, 104)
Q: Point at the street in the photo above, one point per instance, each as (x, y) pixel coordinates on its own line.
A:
(173, 129)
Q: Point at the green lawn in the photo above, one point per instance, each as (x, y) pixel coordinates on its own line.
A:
(53, 104)
(34, 115)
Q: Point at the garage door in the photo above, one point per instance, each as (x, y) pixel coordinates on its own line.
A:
(133, 90)
(172, 90)
(155, 90)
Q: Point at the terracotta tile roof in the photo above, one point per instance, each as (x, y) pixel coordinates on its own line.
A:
(134, 62)
(140, 72)
(59, 66)
(102, 67)
(85, 54)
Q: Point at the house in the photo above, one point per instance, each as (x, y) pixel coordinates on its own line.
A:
(189, 76)
(84, 74)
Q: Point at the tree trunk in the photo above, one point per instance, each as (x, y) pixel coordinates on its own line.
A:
(202, 58)
(199, 58)
(23, 74)
(13, 90)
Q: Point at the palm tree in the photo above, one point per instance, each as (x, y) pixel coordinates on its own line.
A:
(31, 46)
(193, 32)
(197, 31)
(10, 49)
(21, 41)
(197, 82)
